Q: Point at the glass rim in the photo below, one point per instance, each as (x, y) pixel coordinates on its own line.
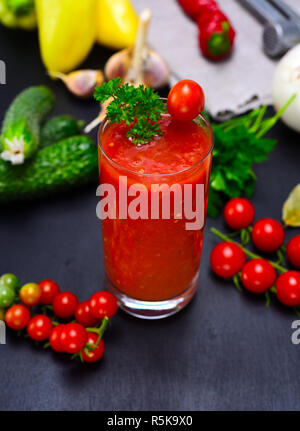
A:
(131, 171)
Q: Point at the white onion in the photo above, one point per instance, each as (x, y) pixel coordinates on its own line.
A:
(286, 83)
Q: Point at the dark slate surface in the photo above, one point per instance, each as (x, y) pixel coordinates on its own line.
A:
(225, 351)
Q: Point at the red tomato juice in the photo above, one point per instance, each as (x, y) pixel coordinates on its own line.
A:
(154, 259)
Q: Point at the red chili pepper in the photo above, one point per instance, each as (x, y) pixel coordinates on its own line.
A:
(216, 32)
(195, 8)
(216, 35)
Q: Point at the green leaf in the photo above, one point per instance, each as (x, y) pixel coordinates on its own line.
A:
(218, 182)
(245, 237)
(239, 144)
(236, 280)
(268, 298)
(140, 108)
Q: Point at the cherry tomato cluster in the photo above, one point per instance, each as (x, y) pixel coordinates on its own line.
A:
(258, 275)
(81, 337)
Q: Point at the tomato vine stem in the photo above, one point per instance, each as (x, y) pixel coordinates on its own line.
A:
(99, 331)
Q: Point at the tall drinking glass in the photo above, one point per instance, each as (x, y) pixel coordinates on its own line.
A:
(153, 209)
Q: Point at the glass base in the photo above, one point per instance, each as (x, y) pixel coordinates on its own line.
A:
(153, 309)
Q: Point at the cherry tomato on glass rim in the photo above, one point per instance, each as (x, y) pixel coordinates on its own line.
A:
(293, 251)
(30, 294)
(64, 304)
(84, 316)
(103, 304)
(97, 353)
(186, 100)
(239, 213)
(227, 259)
(49, 291)
(288, 288)
(73, 337)
(258, 275)
(268, 235)
(54, 338)
(17, 317)
(39, 327)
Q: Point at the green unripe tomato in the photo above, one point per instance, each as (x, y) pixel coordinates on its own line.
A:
(10, 280)
(7, 296)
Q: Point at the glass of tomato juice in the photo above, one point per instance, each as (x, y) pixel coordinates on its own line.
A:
(151, 258)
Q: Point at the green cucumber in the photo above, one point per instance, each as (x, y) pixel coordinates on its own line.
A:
(67, 163)
(58, 128)
(20, 133)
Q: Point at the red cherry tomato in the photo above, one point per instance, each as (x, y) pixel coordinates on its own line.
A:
(64, 304)
(17, 317)
(268, 235)
(39, 327)
(103, 304)
(288, 288)
(54, 338)
(49, 291)
(73, 337)
(30, 294)
(84, 316)
(258, 275)
(186, 100)
(239, 213)
(97, 353)
(227, 259)
(293, 251)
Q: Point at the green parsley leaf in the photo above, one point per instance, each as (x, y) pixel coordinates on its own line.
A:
(140, 108)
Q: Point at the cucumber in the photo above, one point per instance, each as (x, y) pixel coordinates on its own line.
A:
(21, 125)
(67, 163)
(58, 128)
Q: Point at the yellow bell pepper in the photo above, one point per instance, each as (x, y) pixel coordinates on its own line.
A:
(117, 23)
(67, 32)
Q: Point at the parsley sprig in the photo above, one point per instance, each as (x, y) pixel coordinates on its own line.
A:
(140, 108)
(239, 143)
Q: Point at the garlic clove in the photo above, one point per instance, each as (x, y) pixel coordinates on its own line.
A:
(102, 114)
(136, 65)
(118, 64)
(81, 83)
(156, 71)
(139, 64)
